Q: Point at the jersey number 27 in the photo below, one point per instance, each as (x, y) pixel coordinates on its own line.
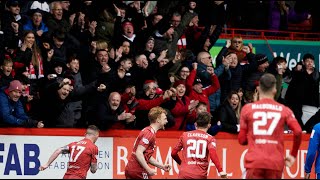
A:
(261, 120)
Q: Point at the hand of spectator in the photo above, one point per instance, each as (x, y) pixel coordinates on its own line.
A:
(105, 68)
(246, 49)
(172, 79)
(289, 160)
(250, 46)
(218, 2)
(163, 54)
(167, 94)
(121, 73)
(122, 116)
(39, 32)
(71, 18)
(174, 91)
(144, 64)
(50, 54)
(238, 127)
(66, 81)
(130, 118)
(92, 27)
(137, 5)
(145, 9)
(15, 27)
(101, 87)
(29, 98)
(40, 124)
(228, 43)
(210, 70)
(226, 62)
(193, 105)
(117, 10)
(24, 46)
(152, 56)
(195, 65)
(46, 45)
(119, 53)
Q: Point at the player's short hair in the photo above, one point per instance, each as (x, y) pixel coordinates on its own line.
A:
(203, 119)
(155, 113)
(267, 82)
(92, 128)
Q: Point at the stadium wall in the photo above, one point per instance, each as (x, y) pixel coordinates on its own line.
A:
(22, 150)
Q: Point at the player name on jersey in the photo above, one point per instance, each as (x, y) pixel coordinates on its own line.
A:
(267, 106)
(198, 135)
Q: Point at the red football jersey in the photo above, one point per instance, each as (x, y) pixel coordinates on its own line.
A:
(146, 138)
(82, 154)
(197, 146)
(262, 123)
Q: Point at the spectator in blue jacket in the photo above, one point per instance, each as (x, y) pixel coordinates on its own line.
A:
(35, 23)
(11, 109)
(313, 153)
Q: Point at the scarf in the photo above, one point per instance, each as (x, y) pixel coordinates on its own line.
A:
(32, 71)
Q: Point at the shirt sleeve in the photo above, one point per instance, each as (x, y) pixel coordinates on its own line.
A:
(297, 132)
(312, 149)
(146, 138)
(94, 154)
(242, 136)
(213, 154)
(176, 149)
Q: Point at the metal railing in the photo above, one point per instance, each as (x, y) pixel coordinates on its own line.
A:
(269, 34)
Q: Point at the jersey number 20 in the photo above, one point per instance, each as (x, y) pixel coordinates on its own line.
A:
(80, 149)
(261, 120)
(196, 148)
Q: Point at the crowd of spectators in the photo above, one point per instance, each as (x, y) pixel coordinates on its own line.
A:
(74, 63)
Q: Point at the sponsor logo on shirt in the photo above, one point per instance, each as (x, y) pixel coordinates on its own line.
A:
(146, 141)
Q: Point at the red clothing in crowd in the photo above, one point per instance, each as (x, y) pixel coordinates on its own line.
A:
(261, 126)
(202, 97)
(146, 138)
(82, 154)
(179, 112)
(196, 147)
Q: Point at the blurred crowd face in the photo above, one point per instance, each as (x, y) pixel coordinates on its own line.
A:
(126, 47)
(150, 91)
(184, 73)
(141, 59)
(156, 19)
(7, 69)
(29, 39)
(74, 65)
(64, 91)
(201, 108)
(206, 59)
(263, 67)
(175, 21)
(102, 57)
(114, 101)
(309, 63)
(197, 87)
(65, 5)
(126, 65)
(58, 69)
(234, 101)
(233, 59)
(15, 95)
(163, 62)
(37, 19)
(57, 11)
(181, 90)
(237, 43)
(15, 10)
(195, 20)
(150, 45)
(128, 30)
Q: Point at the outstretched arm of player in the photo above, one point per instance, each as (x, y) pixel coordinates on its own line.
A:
(312, 150)
(154, 162)
(297, 133)
(142, 161)
(54, 156)
(175, 156)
